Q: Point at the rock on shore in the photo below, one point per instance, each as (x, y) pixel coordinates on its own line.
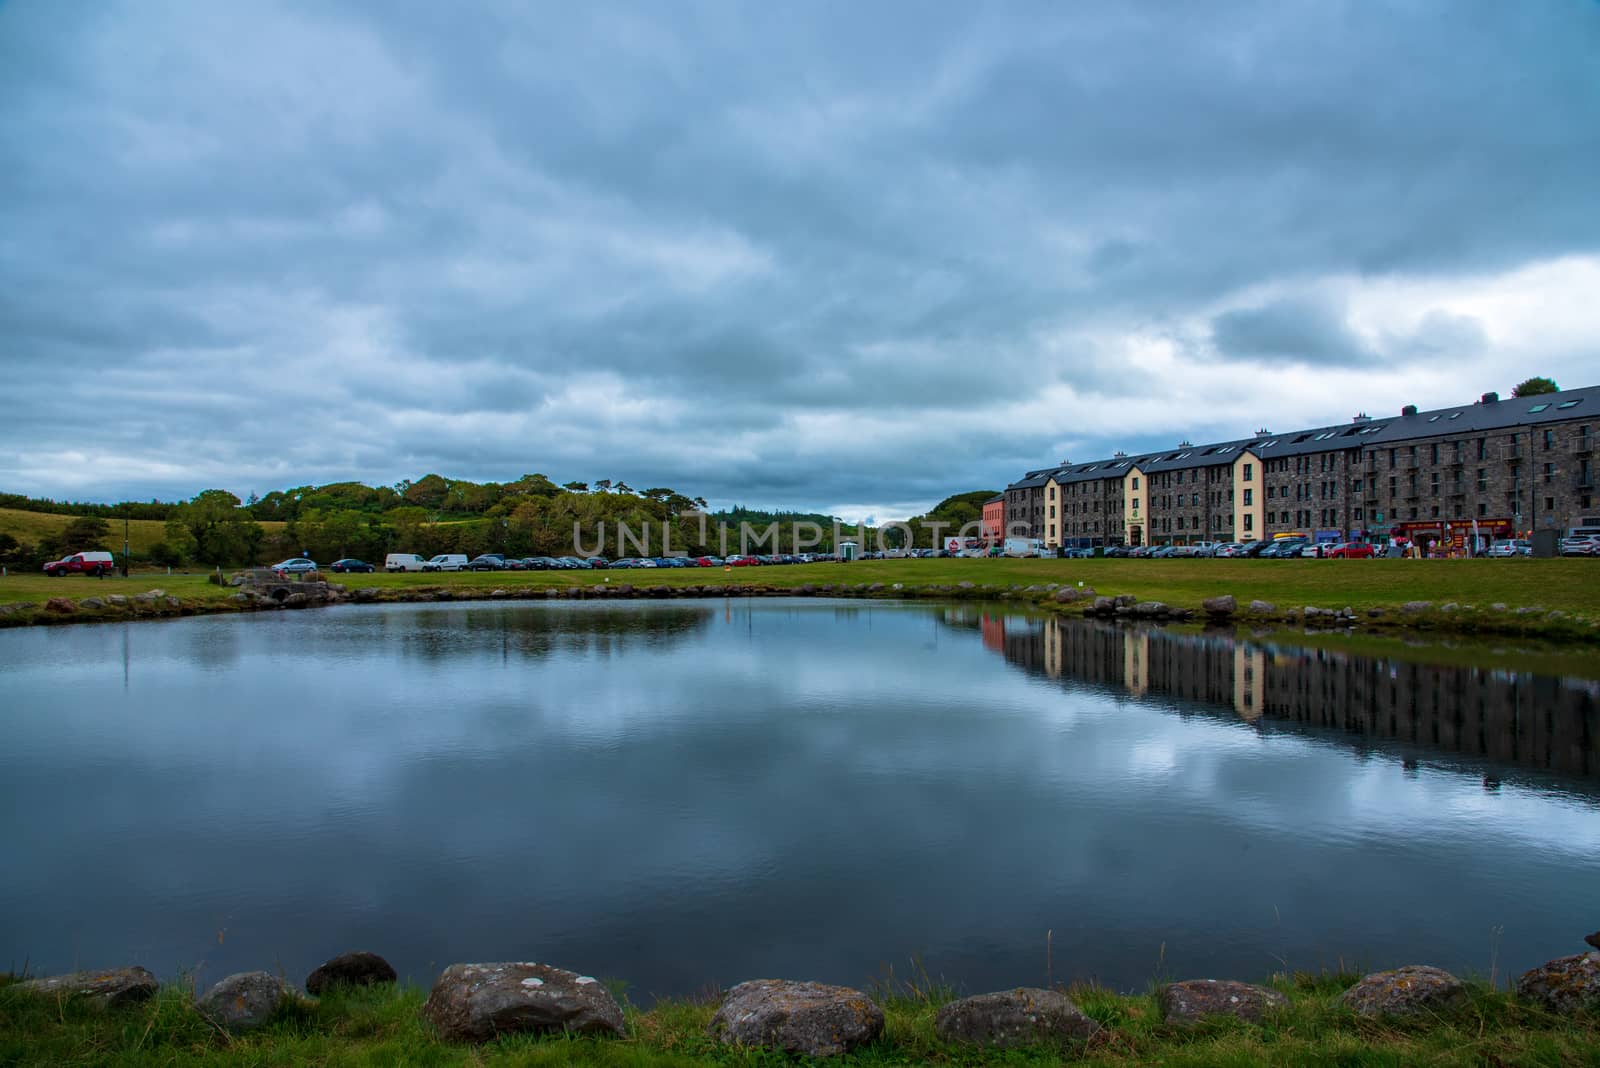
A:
(476, 1002)
(809, 1018)
(1192, 1000)
(350, 969)
(1404, 991)
(1026, 1016)
(109, 988)
(244, 1001)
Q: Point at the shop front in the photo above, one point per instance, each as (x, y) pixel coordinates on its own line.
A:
(1454, 537)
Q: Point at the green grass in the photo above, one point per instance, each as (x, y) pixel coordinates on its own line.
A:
(383, 1027)
(1571, 586)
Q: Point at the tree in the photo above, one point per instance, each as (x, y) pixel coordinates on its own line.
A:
(1535, 386)
(214, 529)
(86, 532)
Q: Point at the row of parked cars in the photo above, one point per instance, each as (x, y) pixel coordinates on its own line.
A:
(1281, 549)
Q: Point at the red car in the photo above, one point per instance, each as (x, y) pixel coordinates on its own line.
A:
(1351, 551)
(743, 561)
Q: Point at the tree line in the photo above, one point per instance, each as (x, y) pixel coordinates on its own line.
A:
(532, 516)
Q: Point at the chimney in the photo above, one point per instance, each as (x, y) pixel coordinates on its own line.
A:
(1263, 432)
(1119, 455)
(1410, 409)
(1490, 398)
(1361, 417)
(1185, 444)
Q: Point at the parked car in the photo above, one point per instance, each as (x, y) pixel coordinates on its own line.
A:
(296, 565)
(350, 565)
(1284, 549)
(487, 562)
(708, 561)
(1581, 545)
(1253, 548)
(446, 562)
(395, 562)
(737, 560)
(579, 563)
(1352, 550)
(90, 563)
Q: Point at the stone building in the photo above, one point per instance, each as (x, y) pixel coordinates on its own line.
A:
(1512, 466)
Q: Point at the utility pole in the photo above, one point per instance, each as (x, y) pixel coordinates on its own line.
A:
(124, 542)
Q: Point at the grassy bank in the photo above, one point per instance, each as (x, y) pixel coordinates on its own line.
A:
(1570, 585)
(383, 1026)
(1559, 599)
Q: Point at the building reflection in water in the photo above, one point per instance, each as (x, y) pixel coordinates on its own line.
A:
(1480, 714)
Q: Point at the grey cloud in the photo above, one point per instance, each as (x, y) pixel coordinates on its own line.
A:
(1305, 330)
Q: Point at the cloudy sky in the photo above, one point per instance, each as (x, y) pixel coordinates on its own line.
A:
(850, 257)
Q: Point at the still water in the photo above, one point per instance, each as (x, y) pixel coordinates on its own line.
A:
(684, 795)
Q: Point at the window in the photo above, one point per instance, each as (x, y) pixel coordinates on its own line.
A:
(1249, 472)
(1136, 505)
(1435, 484)
(1569, 404)
(1483, 447)
(1248, 498)
(1356, 486)
(1249, 521)
(1195, 502)
(1136, 486)
(1549, 504)
(1433, 453)
(1549, 440)
(1483, 509)
(1549, 472)
(1483, 480)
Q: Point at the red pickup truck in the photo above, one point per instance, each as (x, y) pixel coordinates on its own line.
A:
(95, 563)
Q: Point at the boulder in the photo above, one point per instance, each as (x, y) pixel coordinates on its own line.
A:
(1125, 600)
(109, 988)
(1263, 608)
(964, 585)
(1192, 1000)
(1220, 606)
(117, 599)
(1150, 610)
(808, 1018)
(1565, 985)
(244, 1001)
(1104, 606)
(1067, 594)
(350, 969)
(1404, 992)
(476, 1002)
(91, 602)
(1416, 606)
(60, 604)
(1026, 1016)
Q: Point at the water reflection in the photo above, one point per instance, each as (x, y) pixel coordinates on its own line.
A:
(688, 793)
(1490, 718)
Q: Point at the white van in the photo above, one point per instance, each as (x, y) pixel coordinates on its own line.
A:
(446, 562)
(403, 562)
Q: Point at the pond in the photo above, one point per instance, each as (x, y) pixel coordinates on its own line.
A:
(683, 795)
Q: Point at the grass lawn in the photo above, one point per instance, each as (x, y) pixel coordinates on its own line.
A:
(1571, 585)
(383, 1026)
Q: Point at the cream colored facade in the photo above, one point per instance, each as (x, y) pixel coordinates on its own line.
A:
(1052, 514)
(1249, 489)
(1135, 506)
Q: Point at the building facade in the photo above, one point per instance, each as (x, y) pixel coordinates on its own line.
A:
(1497, 467)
